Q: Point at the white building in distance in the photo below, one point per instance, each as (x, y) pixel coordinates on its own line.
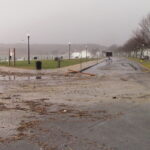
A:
(81, 54)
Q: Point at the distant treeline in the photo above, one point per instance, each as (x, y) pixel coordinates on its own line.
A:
(139, 42)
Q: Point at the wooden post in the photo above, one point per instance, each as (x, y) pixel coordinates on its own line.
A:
(14, 57)
(9, 57)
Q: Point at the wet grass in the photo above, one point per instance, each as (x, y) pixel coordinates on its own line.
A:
(46, 64)
(145, 63)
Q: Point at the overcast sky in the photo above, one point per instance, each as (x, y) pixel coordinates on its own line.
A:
(79, 21)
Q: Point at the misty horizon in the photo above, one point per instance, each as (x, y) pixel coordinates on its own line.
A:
(47, 49)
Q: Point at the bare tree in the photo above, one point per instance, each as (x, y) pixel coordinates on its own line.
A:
(140, 39)
(145, 29)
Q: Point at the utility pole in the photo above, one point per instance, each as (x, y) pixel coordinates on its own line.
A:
(86, 50)
(69, 44)
(28, 36)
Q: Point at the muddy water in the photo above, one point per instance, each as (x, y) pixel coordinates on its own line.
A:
(20, 78)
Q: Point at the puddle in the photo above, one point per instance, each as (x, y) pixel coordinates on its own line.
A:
(20, 78)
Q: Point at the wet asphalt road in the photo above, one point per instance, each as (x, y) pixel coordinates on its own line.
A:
(115, 66)
(122, 67)
(119, 120)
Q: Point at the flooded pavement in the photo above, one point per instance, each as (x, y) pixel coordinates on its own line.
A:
(115, 66)
(77, 112)
(20, 78)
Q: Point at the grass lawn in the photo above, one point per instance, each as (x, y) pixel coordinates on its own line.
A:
(46, 64)
(146, 63)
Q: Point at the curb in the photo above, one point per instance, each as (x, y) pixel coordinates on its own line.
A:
(91, 66)
(88, 67)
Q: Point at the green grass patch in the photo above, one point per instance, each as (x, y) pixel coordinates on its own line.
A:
(146, 63)
(46, 64)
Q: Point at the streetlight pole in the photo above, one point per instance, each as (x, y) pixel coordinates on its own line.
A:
(142, 50)
(69, 50)
(81, 61)
(86, 51)
(99, 55)
(28, 36)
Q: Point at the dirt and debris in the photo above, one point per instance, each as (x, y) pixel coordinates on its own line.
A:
(2, 107)
(109, 111)
(27, 125)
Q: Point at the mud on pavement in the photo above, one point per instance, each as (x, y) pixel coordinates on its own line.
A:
(76, 112)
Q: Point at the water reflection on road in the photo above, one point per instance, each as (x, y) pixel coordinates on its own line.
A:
(115, 66)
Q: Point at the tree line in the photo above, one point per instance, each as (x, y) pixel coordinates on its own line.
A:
(139, 42)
